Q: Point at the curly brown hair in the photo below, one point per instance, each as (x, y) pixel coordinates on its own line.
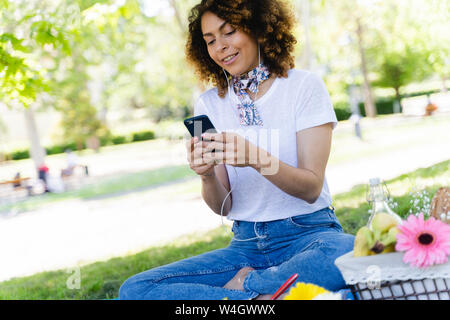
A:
(271, 22)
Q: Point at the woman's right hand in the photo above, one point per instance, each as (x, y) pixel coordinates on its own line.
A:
(195, 152)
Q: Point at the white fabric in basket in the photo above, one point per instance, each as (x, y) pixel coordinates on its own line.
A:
(385, 267)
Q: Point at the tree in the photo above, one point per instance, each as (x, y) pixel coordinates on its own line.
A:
(37, 42)
(26, 31)
(71, 78)
(341, 34)
(369, 103)
(398, 68)
(400, 48)
(433, 24)
(137, 61)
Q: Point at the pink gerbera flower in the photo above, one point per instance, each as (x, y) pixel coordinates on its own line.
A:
(426, 242)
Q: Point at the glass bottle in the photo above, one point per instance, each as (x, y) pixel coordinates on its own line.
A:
(378, 197)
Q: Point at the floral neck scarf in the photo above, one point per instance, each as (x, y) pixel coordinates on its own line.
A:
(248, 113)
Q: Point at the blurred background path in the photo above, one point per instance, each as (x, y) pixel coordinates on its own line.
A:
(76, 231)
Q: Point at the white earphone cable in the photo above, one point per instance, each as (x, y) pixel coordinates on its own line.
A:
(235, 171)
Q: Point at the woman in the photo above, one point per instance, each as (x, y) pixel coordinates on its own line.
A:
(280, 203)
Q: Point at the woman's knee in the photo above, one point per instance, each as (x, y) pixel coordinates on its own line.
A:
(346, 242)
(340, 243)
(134, 288)
(127, 290)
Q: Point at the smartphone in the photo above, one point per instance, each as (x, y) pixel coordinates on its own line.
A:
(198, 125)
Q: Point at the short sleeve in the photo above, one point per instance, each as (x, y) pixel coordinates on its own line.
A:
(199, 107)
(313, 106)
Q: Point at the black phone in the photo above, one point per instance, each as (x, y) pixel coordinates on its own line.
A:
(198, 125)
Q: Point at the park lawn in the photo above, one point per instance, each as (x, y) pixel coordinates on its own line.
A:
(383, 136)
(352, 209)
(110, 187)
(380, 137)
(101, 280)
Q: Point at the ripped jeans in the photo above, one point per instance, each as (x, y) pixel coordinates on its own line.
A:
(305, 244)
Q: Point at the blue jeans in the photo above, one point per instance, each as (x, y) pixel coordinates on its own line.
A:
(305, 244)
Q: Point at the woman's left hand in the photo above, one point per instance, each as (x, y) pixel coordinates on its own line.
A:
(230, 148)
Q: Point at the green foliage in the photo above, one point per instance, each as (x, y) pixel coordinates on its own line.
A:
(399, 68)
(383, 106)
(44, 32)
(119, 139)
(399, 50)
(57, 149)
(21, 154)
(81, 123)
(421, 93)
(15, 43)
(135, 61)
(54, 150)
(342, 110)
(143, 135)
(4, 4)
(401, 39)
(105, 140)
(23, 77)
(86, 4)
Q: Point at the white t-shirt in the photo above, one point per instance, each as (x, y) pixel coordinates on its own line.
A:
(290, 105)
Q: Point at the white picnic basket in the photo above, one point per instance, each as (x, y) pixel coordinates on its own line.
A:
(387, 277)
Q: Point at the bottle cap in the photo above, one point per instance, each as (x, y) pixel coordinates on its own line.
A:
(374, 181)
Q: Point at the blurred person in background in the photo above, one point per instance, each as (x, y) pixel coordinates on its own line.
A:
(43, 176)
(72, 162)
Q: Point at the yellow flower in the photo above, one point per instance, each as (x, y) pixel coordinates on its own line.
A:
(305, 291)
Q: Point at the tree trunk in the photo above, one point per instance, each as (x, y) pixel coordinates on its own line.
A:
(37, 152)
(307, 51)
(182, 26)
(444, 83)
(369, 104)
(398, 97)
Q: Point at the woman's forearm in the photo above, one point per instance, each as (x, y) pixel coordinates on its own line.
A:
(297, 182)
(213, 193)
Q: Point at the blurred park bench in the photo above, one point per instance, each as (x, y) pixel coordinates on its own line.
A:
(74, 178)
(20, 189)
(15, 189)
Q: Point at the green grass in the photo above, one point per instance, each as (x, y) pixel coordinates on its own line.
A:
(352, 207)
(102, 280)
(382, 138)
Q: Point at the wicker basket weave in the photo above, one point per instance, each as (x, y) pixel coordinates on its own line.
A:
(424, 289)
(394, 279)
